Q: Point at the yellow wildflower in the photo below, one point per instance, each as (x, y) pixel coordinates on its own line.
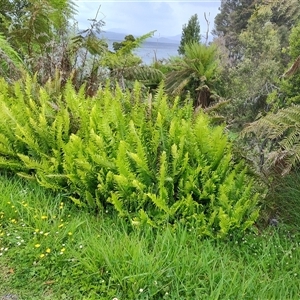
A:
(37, 245)
(48, 250)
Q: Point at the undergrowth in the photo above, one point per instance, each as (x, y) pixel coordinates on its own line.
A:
(282, 201)
(52, 250)
(150, 160)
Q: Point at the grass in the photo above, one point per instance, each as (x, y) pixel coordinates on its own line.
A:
(49, 249)
(285, 199)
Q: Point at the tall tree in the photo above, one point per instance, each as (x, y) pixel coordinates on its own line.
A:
(190, 33)
(281, 128)
(118, 45)
(254, 76)
(289, 92)
(231, 21)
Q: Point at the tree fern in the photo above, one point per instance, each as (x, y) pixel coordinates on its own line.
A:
(195, 72)
(11, 65)
(295, 67)
(282, 128)
(144, 74)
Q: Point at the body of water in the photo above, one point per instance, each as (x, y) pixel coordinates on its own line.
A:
(149, 50)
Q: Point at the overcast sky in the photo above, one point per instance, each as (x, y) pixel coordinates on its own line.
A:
(140, 17)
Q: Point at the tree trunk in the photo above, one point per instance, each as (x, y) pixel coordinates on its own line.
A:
(203, 97)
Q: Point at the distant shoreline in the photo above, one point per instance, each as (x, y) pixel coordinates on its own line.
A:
(110, 35)
(151, 49)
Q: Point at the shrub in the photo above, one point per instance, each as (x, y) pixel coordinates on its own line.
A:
(151, 161)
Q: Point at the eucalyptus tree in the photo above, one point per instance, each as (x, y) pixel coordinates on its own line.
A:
(231, 21)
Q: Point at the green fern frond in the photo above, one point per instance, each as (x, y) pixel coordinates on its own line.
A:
(293, 69)
(144, 74)
(121, 160)
(159, 203)
(131, 45)
(199, 65)
(224, 223)
(117, 203)
(12, 57)
(282, 128)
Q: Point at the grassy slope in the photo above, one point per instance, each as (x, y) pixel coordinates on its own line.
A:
(51, 250)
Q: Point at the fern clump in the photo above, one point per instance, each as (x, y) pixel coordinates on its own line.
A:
(150, 161)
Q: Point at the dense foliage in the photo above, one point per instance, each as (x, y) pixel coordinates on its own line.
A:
(154, 163)
(137, 169)
(190, 33)
(35, 28)
(78, 122)
(231, 21)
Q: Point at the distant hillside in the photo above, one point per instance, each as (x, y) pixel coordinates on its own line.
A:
(176, 38)
(116, 36)
(167, 40)
(119, 36)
